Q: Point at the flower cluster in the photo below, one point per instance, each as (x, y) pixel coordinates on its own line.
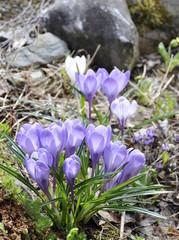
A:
(111, 83)
(43, 147)
(146, 138)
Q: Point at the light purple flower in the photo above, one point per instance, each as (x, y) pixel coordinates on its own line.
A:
(53, 139)
(150, 132)
(139, 137)
(29, 137)
(115, 156)
(97, 139)
(122, 109)
(114, 83)
(89, 85)
(76, 133)
(71, 168)
(159, 165)
(42, 155)
(165, 147)
(136, 161)
(37, 167)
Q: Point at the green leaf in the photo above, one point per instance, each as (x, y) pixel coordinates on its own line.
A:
(163, 53)
(115, 207)
(175, 62)
(98, 114)
(17, 149)
(51, 201)
(165, 158)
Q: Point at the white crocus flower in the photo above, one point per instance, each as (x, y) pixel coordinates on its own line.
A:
(71, 66)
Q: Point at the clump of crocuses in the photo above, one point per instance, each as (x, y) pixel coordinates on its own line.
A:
(43, 147)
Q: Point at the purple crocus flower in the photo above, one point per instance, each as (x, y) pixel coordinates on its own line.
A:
(89, 85)
(136, 161)
(122, 109)
(71, 168)
(115, 156)
(97, 139)
(114, 83)
(29, 137)
(53, 139)
(76, 133)
(37, 167)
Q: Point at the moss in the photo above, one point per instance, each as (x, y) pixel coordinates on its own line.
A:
(149, 15)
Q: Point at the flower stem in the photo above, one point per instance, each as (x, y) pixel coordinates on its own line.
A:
(72, 197)
(90, 104)
(102, 189)
(110, 112)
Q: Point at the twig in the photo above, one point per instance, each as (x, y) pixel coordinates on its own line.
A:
(94, 55)
(122, 225)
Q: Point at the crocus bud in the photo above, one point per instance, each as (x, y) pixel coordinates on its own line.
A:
(42, 155)
(114, 156)
(71, 168)
(29, 137)
(73, 65)
(76, 133)
(122, 109)
(97, 139)
(38, 169)
(88, 85)
(118, 155)
(136, 161)
(53, 139)
(114, 83)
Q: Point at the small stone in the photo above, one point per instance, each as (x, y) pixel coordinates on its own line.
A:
(36, 75)
(115, 130)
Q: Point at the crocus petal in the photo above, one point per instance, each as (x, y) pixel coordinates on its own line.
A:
(45, 157)
(80, 79)
(133, 107)
(48, 142)
(71, 168)
(42, 173)
(136, 161)
(72, 65)
(114, 156)
(110, 88)
(96, 143)
(102, 74)
(90, 87)
(30, 166)
(75, 135)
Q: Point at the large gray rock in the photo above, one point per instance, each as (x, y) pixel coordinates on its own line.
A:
(172, 6)
(151, 37)
(44, 49)
(85, 24)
